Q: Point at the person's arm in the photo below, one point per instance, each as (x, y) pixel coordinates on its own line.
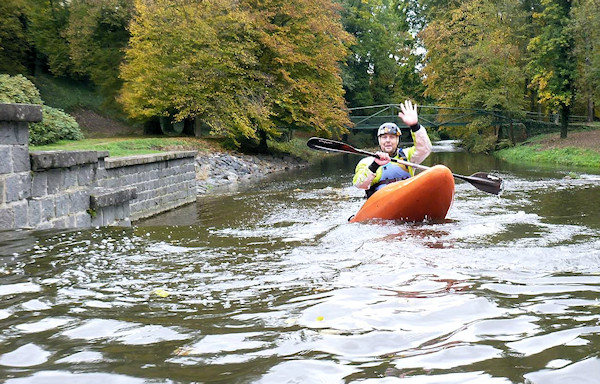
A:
(422, 147)
(365, 173)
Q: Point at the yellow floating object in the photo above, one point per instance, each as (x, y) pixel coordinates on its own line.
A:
(161, 292)
(320, 318)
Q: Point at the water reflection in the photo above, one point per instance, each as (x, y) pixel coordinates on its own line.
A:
(270, 284)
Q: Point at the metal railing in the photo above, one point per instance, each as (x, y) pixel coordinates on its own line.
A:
(371, 117)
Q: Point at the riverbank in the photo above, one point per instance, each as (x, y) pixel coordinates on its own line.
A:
(217, 171)
(580, 148)
(217, 168)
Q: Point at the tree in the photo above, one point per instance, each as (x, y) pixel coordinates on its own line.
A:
(472, 61)
(13, 39)
(48, 20)
(190, 59)
(245, 70)
(586, 26)
(382, 66)
(97, 34)
(301, 45)
(552, 63)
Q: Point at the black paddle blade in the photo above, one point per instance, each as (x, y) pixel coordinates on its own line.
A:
(321, 144)
(485, 182)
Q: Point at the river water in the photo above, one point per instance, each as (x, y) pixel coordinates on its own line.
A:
(270, 284)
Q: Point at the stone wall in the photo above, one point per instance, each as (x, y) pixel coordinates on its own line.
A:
(78, 189)
(162, 181)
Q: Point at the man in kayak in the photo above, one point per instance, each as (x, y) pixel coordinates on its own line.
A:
(373, 173)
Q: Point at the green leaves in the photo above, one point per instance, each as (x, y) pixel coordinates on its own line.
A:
(551, 63)
(97, 35)
(55, 125)
(381, 67)
(240, 68)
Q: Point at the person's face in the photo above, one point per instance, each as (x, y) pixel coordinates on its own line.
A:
(389, 143)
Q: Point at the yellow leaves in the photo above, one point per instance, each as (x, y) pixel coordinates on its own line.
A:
(237, 65)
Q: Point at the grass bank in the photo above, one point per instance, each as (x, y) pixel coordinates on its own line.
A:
(580, 149)
(127, 146)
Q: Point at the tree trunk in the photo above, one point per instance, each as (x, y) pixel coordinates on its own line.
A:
(262, 145)
(564, 121)
(590, 108)
(511, 132)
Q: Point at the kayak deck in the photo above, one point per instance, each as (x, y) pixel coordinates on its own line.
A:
(426, 196)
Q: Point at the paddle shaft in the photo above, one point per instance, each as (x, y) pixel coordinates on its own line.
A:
(482, 181)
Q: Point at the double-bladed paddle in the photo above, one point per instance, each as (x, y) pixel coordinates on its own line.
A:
(480, 180)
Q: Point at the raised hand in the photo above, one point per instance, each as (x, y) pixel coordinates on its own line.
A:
(409, 113)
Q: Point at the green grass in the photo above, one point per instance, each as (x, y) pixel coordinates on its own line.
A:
(533, 154)
(118, 147)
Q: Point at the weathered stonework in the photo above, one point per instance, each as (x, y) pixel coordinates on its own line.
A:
(77, 189)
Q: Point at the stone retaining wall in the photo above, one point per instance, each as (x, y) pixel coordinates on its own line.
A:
(163, 181)
(77, 189)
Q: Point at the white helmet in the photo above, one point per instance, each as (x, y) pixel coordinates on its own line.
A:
(388, 128)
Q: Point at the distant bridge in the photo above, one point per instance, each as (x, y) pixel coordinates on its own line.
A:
(371, 117)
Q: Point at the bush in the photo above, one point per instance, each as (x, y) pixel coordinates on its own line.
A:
(56, 124)
(17, 89)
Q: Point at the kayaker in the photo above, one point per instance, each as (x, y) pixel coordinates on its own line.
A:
(373, 173)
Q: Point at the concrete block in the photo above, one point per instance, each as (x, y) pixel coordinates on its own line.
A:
(80, 201)
(7, 217)
(62, 204)
(97, 219)
(60, 223)
(45, 225)
(2, 189)
(108, 215)
(55, 181)
(20, 158)
(48, 212)
(126, 222)
(159, 158)
(103, 197)
(6, 164)
(14, 133)
(70, 221)
(83, 220)
(86, 176)
(42, 160)
(35, 212)
(21, 216)
(20, 112)
(39, 184)
(70, 178)
(17, 186)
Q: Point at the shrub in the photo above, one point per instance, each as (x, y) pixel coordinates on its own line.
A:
(56, 124)
(17, 89)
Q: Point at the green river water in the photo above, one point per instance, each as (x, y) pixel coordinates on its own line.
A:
(269, 284)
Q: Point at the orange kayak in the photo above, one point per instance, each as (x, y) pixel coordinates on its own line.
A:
(426, 196)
